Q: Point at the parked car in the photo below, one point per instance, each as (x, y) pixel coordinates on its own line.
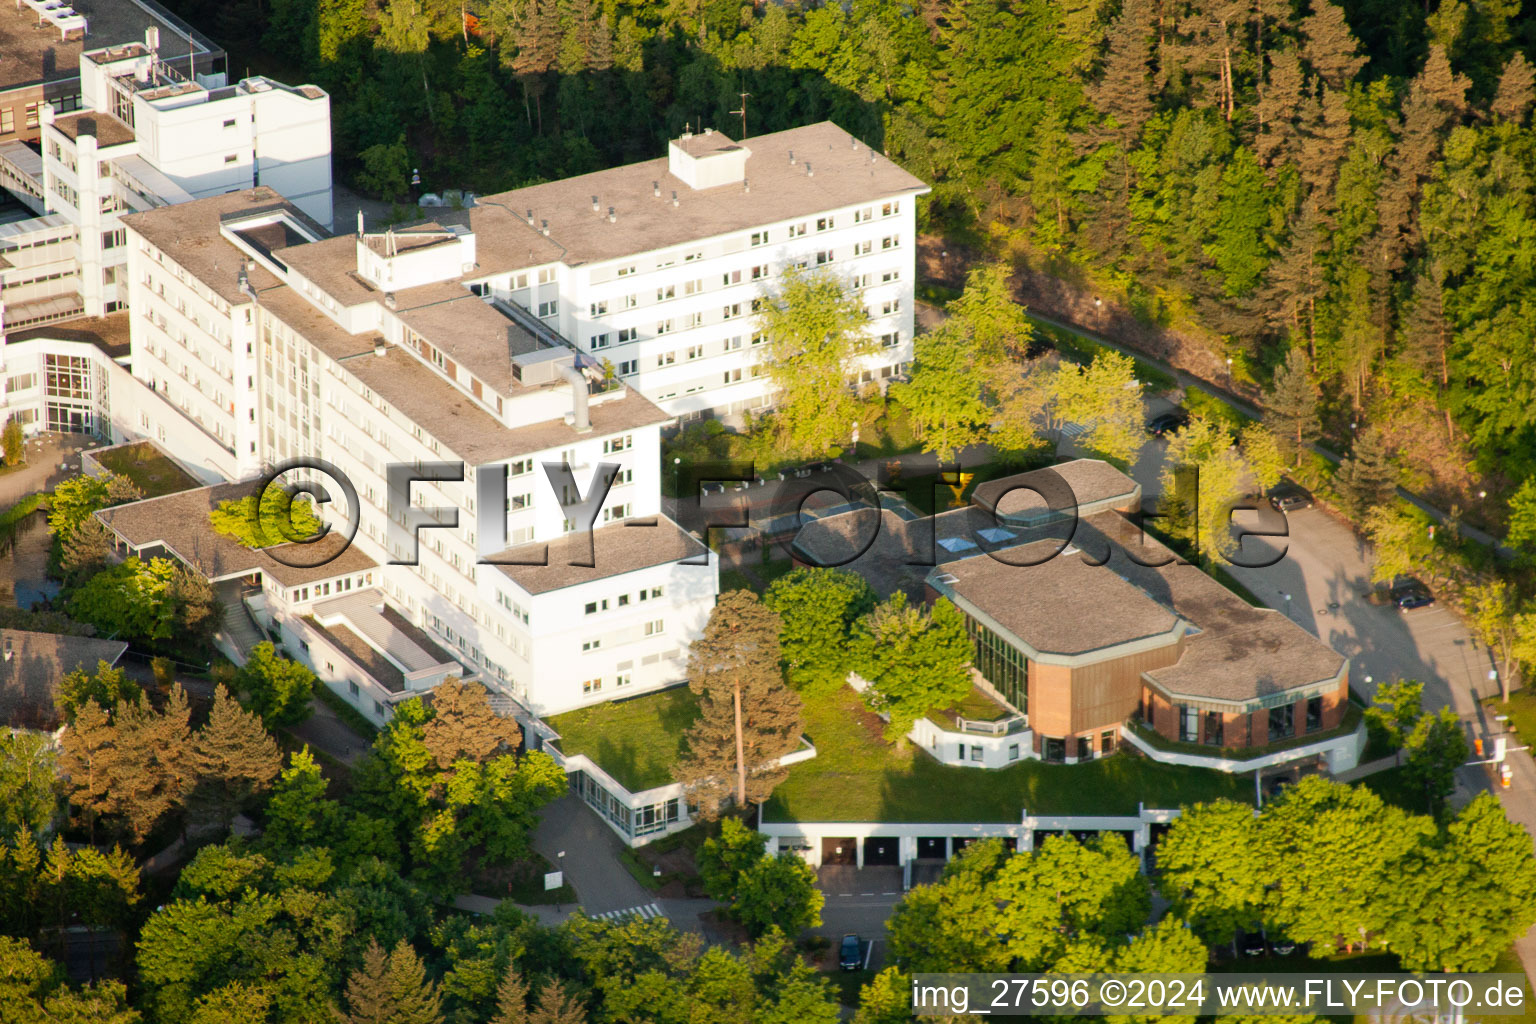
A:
(1410, 594)
(1251, 943)
(1168, 423)
(850, 956)
(1288, 497)
(1282, 945)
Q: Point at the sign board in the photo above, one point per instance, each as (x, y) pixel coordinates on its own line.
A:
(553, 880)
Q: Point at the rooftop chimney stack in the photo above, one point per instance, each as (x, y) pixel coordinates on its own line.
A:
(674, 197)
(791, 158)
(359, 222)
(530, 218)
(656, 189)
(808, 172)
(544, 227)
(746, 186)
(612, 217)
(596, 208)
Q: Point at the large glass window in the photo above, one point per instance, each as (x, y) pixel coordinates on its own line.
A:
(1000, 664)
(1214, 721)
(1189, 724)
(1314, 714)
(1282, 722)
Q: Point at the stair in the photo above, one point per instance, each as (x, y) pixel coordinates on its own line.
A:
(239, 625)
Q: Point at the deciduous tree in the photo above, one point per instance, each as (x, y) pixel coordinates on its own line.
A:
(1436, 747)
(1212, 868)
(816, 608)
(277, 689)
(463, 725)
(816, 332)
(914, 659)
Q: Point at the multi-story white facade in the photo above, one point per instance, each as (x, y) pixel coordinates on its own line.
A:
(146, 137)
(286, 346)
(660, 263)
(520, 363)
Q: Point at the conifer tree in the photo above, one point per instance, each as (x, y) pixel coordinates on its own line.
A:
(1367, 477)
(1517, 90)
(512, 998)
(368, 990)
(556, 1005)
(1291, 405)
(1124, 87)
(1329, 46)
(88, 751)
(414, 998)
(748, 717)
(83, 551)
(235, 757)
(153, 771)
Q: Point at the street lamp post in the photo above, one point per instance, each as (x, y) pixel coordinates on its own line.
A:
(1287, 603)
(677, 469)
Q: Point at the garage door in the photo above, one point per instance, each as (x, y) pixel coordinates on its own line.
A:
(839, 850)
(932, 847)
(881, 851)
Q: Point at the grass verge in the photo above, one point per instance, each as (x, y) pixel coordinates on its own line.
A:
(148, 468)
(637, 741)
(857, 776)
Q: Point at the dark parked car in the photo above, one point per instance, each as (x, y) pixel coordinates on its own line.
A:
(1289, 497)
(1411, 594)
(1252, 943)
(1168, 423)
(850, 956)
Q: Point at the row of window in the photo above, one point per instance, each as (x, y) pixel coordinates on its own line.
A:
(622, 601)
(655, 627)
(8, 118)
(326, 587)
(1208, 727)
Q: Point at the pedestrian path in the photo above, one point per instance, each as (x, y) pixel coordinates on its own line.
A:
(644, 913)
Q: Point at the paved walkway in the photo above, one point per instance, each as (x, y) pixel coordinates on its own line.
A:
(47, 455)
(325, 731)
(590, 858)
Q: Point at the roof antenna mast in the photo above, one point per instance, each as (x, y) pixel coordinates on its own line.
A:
(743, 112)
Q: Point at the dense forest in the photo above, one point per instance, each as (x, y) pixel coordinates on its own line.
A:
(1353, 180)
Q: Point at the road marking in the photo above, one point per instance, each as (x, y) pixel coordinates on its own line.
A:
(644, 913)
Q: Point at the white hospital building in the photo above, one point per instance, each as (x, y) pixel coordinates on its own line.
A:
(566, 324)
(139, 136)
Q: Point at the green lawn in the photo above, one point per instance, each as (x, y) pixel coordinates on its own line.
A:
(637, 741)
(857, 776)
(151, 471)
(975, 705)
(1521, 710)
